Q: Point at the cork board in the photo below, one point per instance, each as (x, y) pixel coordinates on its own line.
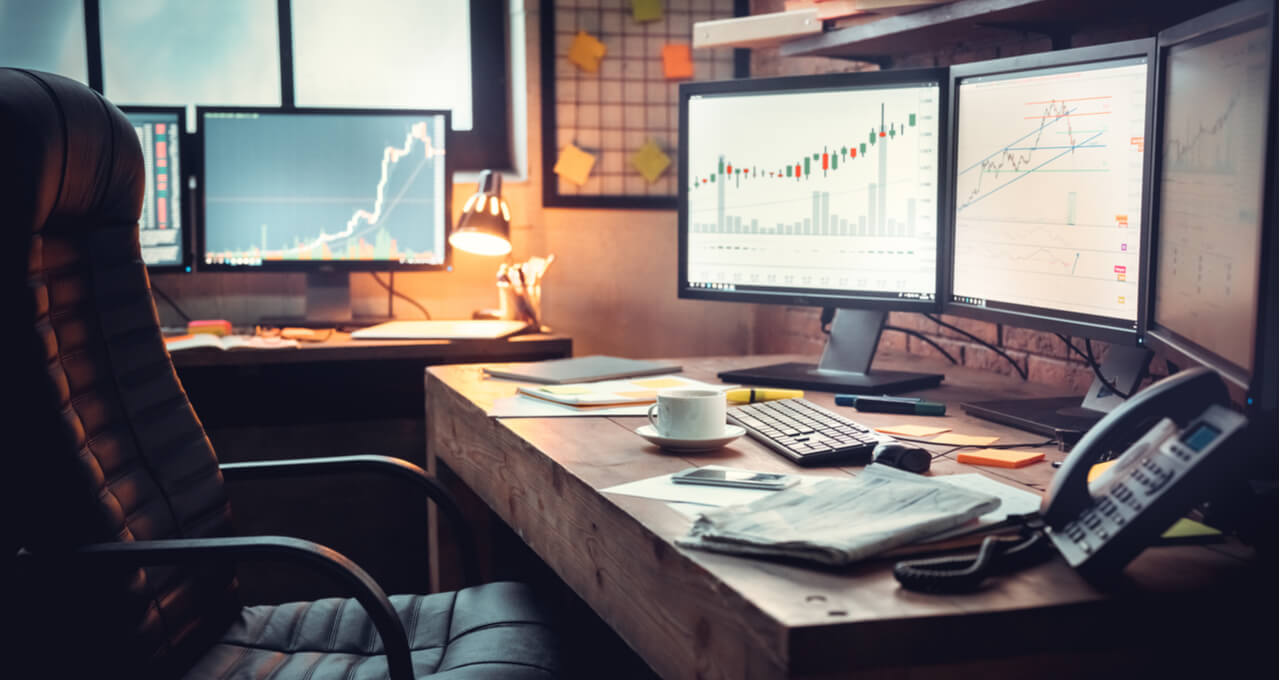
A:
(612, 113)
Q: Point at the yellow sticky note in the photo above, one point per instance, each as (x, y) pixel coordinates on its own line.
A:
(586, 52)
(574, 164)
(1189, 528)
(677, 62)
(1098, 469)
(640, 395)
(659, 383)
(964, 439)
(564, 389)
(913, 430)
(646, 10)
(650, 161)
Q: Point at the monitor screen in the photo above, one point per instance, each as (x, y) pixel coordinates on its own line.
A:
(1048, 176)
(820, 190)
(356, 190)
(161, 227)
(1215, 111)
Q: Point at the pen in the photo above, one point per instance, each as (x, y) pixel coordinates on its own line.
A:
(911, 405)
(752, 395)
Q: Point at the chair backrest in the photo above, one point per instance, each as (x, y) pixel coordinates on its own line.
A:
(105, 444)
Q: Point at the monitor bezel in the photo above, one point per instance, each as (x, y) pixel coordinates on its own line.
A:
(864, 79)
(1225, 20)
(324, 265)
(1041, 319)
(186, 169)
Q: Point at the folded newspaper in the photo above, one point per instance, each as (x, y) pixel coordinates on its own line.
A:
(839, 521)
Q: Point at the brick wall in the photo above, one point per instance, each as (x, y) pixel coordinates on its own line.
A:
(1043, 356)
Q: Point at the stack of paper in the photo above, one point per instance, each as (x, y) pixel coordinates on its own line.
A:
(631, 396)
(839, 521)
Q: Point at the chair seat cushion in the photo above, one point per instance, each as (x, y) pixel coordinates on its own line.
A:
(491, 631)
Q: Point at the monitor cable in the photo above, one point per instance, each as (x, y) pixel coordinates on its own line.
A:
(1022, 372)
(1087, 355)
(161, 294)
(829, 314)
(393, 293)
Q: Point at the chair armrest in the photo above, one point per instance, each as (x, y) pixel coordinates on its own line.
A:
(263, 548)
(386, 465)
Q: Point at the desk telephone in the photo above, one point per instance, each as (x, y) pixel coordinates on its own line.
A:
(1188, 441)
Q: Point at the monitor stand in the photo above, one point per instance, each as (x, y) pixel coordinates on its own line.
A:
(1068, 418)
(328, 304)
(845, 365)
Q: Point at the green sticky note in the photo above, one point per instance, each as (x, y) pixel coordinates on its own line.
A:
(650, 161)
(646, 10)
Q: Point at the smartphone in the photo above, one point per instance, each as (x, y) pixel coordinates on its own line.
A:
(745, 479)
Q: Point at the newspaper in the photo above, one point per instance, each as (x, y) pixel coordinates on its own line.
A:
(840, 521)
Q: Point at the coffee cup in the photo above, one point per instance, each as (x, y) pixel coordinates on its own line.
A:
(689, 413)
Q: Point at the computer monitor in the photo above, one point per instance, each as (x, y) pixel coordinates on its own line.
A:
(1048, 172)
(819, 191)
(326, 192)
(163, 225)
(1214, 197)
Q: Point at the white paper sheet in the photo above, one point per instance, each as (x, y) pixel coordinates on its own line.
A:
(529, 407)
(663, 489)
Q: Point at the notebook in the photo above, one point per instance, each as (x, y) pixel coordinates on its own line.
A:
(440, 330)
(581, 369)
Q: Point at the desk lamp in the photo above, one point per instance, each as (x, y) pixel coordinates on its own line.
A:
(485, 224)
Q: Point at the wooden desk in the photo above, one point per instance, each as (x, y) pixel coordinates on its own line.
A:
(698, 614)
(337, 397)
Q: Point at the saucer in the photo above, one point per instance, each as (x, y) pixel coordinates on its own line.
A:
(731, 432)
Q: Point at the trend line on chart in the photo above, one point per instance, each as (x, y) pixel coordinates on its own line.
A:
(1177, 149)
(1007, 159)
(390, 156)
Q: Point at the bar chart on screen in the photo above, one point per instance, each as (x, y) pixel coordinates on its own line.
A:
(827, 189)
(1048, 188)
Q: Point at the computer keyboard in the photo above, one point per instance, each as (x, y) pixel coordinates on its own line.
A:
(806, 433)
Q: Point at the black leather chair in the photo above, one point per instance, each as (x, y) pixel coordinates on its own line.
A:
(118, 544)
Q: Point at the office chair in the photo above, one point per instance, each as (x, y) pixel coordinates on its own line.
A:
(119, 551)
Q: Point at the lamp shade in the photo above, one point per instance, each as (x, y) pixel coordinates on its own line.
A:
(484, 228)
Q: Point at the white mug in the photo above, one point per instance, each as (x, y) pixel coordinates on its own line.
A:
(689, 413)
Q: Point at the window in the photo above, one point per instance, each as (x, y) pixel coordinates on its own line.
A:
(376, 53)
(176, 53)
(444, 54)
(45, 36)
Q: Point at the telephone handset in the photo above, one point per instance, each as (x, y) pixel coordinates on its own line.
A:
(1192, 439)
(1187, 440)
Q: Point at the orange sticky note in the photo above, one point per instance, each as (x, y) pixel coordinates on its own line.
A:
(913, 430)
(677, 62)
(1097, 470)
(964, 439)
(1006, 458)
(586, 52)
(574, 164)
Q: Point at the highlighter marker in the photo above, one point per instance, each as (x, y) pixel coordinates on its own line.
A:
(909, 405)
(752, 395)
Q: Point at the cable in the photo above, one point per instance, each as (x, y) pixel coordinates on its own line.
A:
(926, 338)
(172, 304)
(402, 296)
(1021, 371)
(1093, 363)
(828, 315)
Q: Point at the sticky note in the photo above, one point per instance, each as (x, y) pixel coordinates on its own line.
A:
(913, 430)
(1189, 528)
(646, 10)
(964, 439)
(1097, 470)
(586, 52)
(565, 389)
(1007, 458)
(640, 395)
(574, 164)
(659, 383)
(650, 161)
(677, 62)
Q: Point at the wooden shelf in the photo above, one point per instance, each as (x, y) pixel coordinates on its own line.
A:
(968, 21)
